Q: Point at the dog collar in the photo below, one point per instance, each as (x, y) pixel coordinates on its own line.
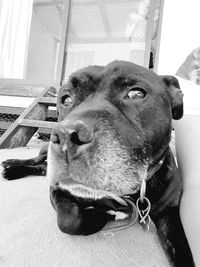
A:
(154, 167)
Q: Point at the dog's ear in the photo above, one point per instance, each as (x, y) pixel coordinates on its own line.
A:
(176, 96)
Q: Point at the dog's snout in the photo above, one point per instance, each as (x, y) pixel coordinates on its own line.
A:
(71, 135)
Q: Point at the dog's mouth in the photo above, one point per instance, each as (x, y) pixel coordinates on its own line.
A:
(78, 215)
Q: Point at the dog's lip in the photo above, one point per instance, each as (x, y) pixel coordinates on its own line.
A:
(59, 195)
(82, 216)
(80, 190)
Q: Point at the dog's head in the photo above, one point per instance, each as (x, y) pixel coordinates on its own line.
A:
(114, 121)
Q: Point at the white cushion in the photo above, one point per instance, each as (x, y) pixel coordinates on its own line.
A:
(29, 235)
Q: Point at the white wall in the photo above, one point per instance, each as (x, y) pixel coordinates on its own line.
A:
(179, 33)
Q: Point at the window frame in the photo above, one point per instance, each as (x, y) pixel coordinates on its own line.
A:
(9, 86)
(31, 88)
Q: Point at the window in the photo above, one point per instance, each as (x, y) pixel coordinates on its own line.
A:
(32, 34)
(104, 30)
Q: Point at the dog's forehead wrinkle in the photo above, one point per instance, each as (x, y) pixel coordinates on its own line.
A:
(85, 82)
(118, 79)
(125, 67)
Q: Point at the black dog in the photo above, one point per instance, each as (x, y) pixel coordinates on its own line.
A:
(114, 131)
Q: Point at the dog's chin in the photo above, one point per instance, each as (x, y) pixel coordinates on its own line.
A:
(83, 216)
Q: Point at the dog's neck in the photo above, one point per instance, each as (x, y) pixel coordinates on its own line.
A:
(125, 220)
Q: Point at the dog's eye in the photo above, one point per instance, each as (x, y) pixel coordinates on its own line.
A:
(66, 100)
(136, 93)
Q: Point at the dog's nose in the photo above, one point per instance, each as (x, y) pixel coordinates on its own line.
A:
(72, 136)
